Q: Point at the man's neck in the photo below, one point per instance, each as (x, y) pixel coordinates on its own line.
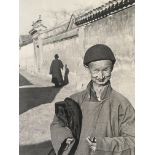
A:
(98, 89)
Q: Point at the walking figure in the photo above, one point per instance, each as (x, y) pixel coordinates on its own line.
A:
(55, 71)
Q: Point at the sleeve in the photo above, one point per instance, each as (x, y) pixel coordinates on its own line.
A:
(124, 144)
(79, 97)
(58, 133)
(61, 64)
(75, 97)
(51, 68)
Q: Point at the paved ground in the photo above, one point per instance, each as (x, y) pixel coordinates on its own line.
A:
(36, 108)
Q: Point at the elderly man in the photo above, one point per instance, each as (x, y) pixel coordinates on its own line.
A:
(108, 117)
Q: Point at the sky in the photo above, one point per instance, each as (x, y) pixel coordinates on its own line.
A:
(50, 10)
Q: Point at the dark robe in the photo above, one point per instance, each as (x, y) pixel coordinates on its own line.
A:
(55, 70)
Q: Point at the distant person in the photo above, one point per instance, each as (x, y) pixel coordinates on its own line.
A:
(66, 81)
(55, 70)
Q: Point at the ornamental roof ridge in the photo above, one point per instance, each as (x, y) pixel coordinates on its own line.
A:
(102, 11)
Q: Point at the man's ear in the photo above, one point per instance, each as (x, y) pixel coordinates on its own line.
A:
(87, 68)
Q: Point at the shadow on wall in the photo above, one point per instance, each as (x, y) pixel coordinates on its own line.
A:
(33, 97)
(36, 149)
(66, 80)
(23, 81)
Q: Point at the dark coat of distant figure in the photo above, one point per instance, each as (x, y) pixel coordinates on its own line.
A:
(55, 70)
(66, 81)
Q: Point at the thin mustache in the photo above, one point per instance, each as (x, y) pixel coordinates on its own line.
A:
(101, 80)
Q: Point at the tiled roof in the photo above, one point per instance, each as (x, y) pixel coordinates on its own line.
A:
(24, 40)
(103, 11)
(62, 36)
(66, 29)
(57, 30)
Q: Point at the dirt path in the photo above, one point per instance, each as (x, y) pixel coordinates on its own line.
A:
(37, 98)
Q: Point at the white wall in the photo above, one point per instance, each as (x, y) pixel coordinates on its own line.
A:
(27, 58)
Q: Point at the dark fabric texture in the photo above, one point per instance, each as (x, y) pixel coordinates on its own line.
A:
(98, 52)
(55, 70)
(69, 112)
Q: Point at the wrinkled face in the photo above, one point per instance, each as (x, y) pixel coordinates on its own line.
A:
(100, 71)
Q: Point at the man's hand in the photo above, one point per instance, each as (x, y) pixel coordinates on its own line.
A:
(92, 143)
(69, 141)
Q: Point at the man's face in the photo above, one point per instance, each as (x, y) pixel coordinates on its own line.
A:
(100, 71)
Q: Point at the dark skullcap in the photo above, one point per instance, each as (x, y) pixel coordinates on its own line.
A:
(56, 56)
(98, 52)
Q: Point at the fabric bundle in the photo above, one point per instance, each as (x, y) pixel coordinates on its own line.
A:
(69, 113)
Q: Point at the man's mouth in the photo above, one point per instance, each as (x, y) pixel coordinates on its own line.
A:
(101, 80)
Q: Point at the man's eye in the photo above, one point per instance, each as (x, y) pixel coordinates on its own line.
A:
(107, 69)
(97, 70)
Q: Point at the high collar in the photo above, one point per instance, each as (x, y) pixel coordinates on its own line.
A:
(92, 94)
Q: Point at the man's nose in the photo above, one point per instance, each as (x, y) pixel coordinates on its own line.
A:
(101, 75)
